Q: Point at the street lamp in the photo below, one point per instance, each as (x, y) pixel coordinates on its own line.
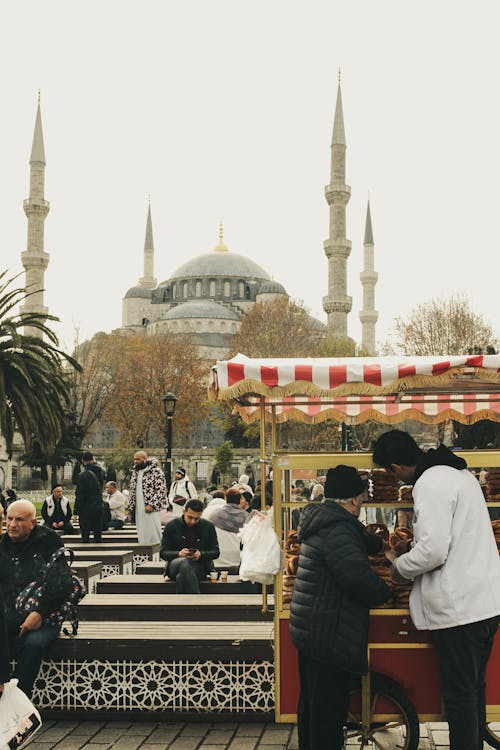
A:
(169, 401)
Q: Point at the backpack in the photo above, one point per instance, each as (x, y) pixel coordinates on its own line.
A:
(27, 600)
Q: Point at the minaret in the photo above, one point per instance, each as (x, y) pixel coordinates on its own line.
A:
(148, 281)
(35, 260)
(337, 247)
(368, 315)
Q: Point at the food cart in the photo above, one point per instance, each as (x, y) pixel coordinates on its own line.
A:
(402, 687)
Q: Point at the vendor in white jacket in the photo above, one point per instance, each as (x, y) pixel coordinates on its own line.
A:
(455, 566)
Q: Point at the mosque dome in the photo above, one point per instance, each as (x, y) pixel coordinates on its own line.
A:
(219, 264)
(139, 292)
(271, 287)
(202, 309)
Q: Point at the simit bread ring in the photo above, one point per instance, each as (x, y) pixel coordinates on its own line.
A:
(380, 529)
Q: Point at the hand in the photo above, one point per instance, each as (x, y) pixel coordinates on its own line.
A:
(32, 622)
(74, 517)
(401, 547)
(60, 524)
(148, 508)
(185, 552)
(55, 525)
(196, 554)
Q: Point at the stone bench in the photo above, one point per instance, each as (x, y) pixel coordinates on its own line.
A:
(114, 562)
(88, 572)
(158, 669)
(154, 567)
(141, 552)
(167, 607)
(157, 584)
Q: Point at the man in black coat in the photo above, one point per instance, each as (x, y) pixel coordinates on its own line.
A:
(189, 545)
(333, 592)
(89, 504)
(25, 549)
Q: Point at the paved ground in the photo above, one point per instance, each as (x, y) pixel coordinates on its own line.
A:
(154, 735)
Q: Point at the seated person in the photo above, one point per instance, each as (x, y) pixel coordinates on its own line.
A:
(56, 511)
(189, 545)
(228, 521)
(116, 502)
(216, 503)
(25, 548)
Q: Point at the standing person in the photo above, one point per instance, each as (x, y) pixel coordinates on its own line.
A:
(189, 546)
(116, 502)
(147, 497)
(25, 549)
(56, 511)
(88, 499)
(333, 592)
(455, 567)
(182, 489)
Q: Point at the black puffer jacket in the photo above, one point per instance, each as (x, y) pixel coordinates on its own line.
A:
(335, 587)
(175, 538)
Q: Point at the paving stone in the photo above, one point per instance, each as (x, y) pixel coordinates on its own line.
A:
(243, 743)
(118, 724)
(248, 729)
(440, 737)
(164, 733)
(131, 742)
(111, 734)
(41, 745)
(54, 734)
(143, 726)
(194, 729)
(74, 742)
(275, 737)
(185, 743)
(212, 747)
(91, 746)
(88, 728)
(218, 737)
(293, 742)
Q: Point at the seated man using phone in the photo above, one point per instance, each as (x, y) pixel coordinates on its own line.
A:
(189, 545)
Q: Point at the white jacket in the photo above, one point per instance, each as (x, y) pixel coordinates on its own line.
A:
(454, 560)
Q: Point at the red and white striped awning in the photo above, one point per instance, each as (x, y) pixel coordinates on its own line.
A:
(355, 389)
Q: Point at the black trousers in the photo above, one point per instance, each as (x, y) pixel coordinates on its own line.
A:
(462, 653)
(91, 521)
(323, 705)
(187, 575)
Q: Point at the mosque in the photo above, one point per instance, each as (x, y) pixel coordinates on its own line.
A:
(209, 295)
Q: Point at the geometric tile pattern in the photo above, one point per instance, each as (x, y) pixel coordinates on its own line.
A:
(202, 686)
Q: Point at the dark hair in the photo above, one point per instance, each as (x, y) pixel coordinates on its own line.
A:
(233, 496)
(194, 504)
(396, 447)
(248, 496)
(87, 456)
(57, 484)
(218, 493)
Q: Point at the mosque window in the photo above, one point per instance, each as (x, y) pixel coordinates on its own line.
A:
(198, 289)
(174, 291)
(211, 292)
(227, 289)
(247, 292)
(185, 290)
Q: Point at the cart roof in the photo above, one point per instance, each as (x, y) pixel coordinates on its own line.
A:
(355, 389)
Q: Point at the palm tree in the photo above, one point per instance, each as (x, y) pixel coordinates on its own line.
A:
(34, 391)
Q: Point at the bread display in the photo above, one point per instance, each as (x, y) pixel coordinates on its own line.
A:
(292, 550)
(492, 487)
(383, 487)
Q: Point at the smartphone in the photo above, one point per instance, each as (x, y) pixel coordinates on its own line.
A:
(192, 549)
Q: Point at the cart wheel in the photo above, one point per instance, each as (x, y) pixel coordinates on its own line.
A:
(492, 734)
(395, 723)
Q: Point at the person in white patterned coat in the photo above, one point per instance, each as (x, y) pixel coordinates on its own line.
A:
(147, 497)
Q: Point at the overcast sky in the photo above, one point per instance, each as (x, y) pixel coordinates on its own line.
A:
(225, 109)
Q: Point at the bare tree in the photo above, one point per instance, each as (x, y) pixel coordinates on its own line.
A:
(443, 326)
(278, 328)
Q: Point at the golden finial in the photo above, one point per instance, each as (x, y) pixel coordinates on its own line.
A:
(340, 76)
(221, 247)
(38, 96)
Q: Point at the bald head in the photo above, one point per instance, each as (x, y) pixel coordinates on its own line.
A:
(20, 520)
(140, 459)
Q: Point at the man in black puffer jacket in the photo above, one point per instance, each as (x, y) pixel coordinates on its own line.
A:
(333, 592)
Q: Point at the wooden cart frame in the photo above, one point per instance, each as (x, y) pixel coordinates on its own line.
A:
(353, 390)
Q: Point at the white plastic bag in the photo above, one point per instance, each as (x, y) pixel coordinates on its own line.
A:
(19, 719)
(261, 555)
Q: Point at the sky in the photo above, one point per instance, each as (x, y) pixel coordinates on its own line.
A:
(224, 109)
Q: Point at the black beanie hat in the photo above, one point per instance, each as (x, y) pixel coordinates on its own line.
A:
(181, 471)
(343, 482)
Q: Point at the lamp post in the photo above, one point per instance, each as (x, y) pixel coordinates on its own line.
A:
(169, 401)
